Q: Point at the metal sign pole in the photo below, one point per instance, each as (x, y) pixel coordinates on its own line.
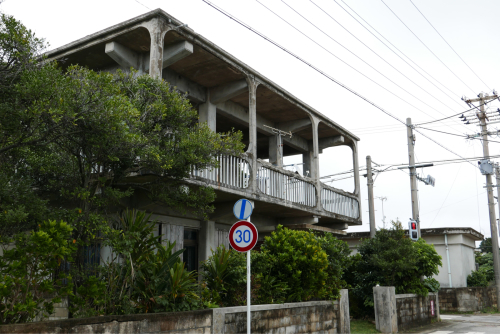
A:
(249, 294)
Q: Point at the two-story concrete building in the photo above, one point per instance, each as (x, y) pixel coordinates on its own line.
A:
(230, 94)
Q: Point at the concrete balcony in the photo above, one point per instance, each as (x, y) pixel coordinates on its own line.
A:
(281, 194)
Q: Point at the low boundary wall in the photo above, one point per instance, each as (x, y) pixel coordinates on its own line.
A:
(414, 310)
(307, 317)
(400, 312)
(467, 299)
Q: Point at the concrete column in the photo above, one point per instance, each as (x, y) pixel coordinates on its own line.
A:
(252, 129)
(355, 166)
(344, 324)
(157, 29)
(207, 240)
(315, 153)
(307, 158)
(274, 151)
(208, 114)
(384, 299)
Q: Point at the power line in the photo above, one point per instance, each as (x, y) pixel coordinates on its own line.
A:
(140, 3)
(361, 73)
(325, 74)
(454, 134)
(438, 120)
(426, 46)
(449, 44)
(382, 58)
(302, 60)
(395, 47)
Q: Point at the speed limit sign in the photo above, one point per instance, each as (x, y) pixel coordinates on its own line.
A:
(243, 236)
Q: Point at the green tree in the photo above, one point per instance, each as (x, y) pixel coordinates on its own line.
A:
(29, 272)
(392, 259)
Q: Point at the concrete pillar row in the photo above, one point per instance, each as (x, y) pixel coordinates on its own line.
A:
(252, 129)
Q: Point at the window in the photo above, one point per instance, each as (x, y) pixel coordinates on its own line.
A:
(191, 249)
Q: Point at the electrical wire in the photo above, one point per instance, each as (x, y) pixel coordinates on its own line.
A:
(302, 60)
(477, 196)
(352, 67)
(395, 47)
(326, 75)
(435, 162)
(465, 137)
(426, 46)
(439, 120)
(448, 194)
(382, 58)
(140, 3)
(448, 44)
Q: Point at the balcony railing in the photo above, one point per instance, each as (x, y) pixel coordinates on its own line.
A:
(335, 202)
(286, 187)
(232, 172)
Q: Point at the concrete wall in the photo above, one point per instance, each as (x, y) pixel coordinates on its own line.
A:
(462, 261)
(414, 310)
(307, 317)
(395, 313)
(467, 299)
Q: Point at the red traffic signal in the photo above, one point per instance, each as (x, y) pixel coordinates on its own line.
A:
(413, 230)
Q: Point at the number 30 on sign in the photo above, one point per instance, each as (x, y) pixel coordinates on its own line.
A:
(243, 236)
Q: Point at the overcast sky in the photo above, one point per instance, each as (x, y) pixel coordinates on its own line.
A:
(431, 88)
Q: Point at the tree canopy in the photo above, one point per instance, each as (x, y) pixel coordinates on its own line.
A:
(392, 259)
(76, 143)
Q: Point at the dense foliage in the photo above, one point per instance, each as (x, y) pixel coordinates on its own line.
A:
(391, 259)
(291, 266)
(75, 146)
(29, 272)
(486, 273)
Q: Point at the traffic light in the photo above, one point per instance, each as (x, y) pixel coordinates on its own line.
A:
(412, 229)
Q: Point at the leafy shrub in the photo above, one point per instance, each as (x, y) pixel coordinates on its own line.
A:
(27, 272)
(224, 275)
(338, 260)
(478, 278)
(432, 284)
(141, 276)
(298, 261)
(391, 259)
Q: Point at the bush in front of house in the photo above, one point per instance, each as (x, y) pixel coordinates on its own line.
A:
(292, 266)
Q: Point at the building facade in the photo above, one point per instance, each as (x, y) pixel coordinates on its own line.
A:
(229, 94)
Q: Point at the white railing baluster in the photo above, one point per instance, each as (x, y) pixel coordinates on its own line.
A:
(338, 203)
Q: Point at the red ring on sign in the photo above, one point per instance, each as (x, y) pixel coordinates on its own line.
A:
(252, 243)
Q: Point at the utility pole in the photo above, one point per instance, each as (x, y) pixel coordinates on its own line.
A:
(413, 173)
(489, 186)
(371, 207)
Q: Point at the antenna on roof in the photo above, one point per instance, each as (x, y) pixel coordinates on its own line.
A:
(280, 133)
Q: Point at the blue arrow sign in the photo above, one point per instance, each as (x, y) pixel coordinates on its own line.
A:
(243, 209)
